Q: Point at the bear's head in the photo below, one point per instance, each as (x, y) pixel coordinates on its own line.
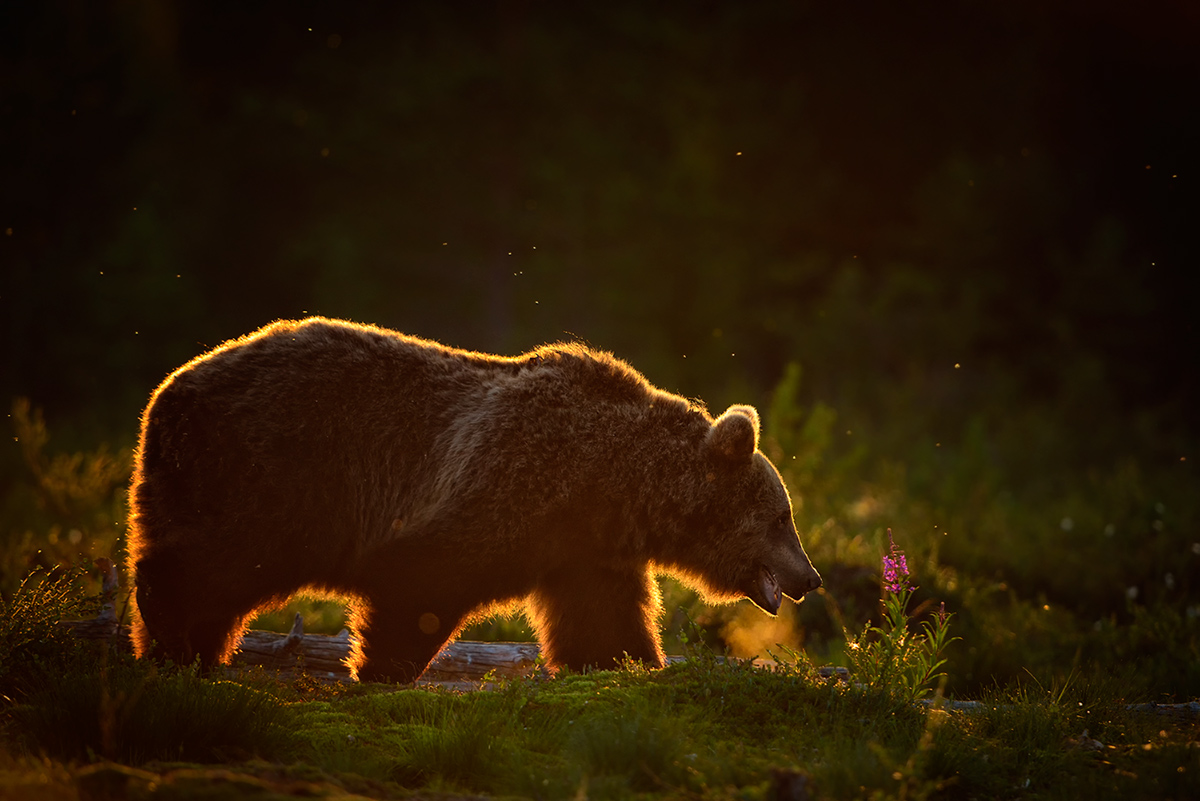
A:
(751, 547)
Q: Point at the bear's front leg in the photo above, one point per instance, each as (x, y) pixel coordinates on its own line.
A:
(184, 611)
(412, 606)
(400, 641)
(597, 617)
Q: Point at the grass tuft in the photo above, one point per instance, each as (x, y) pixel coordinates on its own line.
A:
(132, 713)
(635, 751)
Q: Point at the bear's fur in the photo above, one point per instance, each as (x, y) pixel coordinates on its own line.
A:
(429, 484)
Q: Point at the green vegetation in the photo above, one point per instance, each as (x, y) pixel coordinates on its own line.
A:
(890, 656)
(31, 642)
(703, 728)
(1057, 557)
(133, 713)
(1054, 679)
(57, 508)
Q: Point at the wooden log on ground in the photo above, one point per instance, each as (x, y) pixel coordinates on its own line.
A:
(321, 655)
(324, 656)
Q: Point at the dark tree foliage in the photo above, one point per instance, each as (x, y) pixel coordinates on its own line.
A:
(877, 191)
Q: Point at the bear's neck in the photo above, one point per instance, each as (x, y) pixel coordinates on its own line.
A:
(660, 493)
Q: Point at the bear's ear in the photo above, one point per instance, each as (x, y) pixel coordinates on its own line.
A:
(734, 435)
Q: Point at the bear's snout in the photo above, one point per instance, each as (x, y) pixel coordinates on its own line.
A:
(799, 580)
(814, 581)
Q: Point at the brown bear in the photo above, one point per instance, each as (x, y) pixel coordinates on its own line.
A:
(430, 484)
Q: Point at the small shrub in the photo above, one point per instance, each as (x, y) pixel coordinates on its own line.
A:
(32, 644)
(61, 507)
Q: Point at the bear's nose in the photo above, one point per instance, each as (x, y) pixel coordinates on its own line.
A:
(814, 582)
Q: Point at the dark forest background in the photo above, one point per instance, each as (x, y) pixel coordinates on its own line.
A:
(966, 226)
(877, 191)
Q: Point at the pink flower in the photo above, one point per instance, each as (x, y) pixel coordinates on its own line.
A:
(895, 568)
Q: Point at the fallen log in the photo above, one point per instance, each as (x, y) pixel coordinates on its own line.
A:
(324, 656)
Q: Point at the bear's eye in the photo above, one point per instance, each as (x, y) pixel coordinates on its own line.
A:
(784, 518)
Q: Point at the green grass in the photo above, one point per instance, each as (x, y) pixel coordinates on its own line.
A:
(700, 729)
(133, 714)
(101, 724)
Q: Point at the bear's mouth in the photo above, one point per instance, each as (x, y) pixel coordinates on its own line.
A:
(767, 595)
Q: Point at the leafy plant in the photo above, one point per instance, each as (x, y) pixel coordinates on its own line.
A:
(890, 657)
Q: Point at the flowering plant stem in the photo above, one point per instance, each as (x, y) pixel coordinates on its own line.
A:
(890, 657)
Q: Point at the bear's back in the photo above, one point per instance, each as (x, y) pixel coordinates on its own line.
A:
(344, 407)
(298, 417)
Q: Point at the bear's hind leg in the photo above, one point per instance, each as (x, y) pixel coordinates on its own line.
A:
(597, 617)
